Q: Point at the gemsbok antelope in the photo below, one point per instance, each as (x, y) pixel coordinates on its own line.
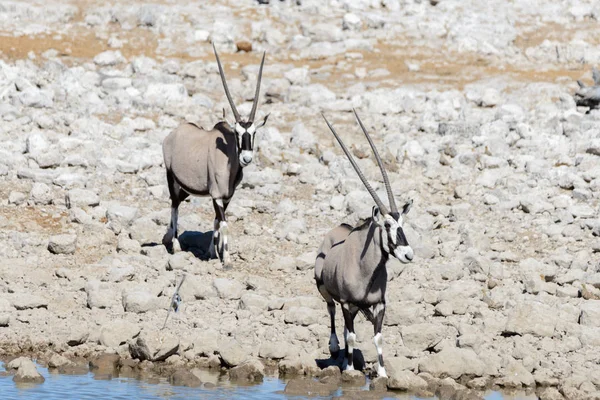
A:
(351, 263)
(203, 162)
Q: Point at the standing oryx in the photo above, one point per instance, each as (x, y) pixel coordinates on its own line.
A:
(203, 162)
(350, 266)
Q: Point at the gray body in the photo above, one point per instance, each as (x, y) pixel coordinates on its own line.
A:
(351, 263)
(203, 162)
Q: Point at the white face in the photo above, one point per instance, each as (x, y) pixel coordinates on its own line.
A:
(393, 239)
(245, 143)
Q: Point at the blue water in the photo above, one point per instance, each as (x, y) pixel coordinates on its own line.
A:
(89, 386)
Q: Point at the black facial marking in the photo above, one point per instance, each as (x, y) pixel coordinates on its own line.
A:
(401, 240)
(246, 141)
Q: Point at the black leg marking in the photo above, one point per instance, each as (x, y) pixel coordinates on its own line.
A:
(349, 314)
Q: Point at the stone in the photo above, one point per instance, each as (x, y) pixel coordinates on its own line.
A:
(100, 295)
(109, 58)
(301, 316)
(331, 375)
(273, 350)
(115, 333)
(105, 364)
(354, 378)
(121, 214)
(515, 375)
(452, 362)
(41, 194)
(183, 377)
(139, 301)
(57, 361)
(228, 288)
(532, 318)
(24, 301)
(4, 320)
(420, 337)
(406, 380)
(247, 371)
(379, 384)
(153, 346)
(62, 244)
(232, 353)
(249, 300)
(206, 343)
(28, 373)
(590, 313)
(550, 393)
(16, 198)
(82, 198)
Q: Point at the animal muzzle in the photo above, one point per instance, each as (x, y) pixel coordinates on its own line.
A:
(404, 253)
(245, 157)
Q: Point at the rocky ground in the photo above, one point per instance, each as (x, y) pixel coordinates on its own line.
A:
(472, 108)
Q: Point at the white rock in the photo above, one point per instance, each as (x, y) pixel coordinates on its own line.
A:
(62, 244)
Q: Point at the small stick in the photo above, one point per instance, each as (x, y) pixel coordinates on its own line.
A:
(175, 300)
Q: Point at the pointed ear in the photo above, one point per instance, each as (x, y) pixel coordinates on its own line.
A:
(581, 84)
(376, 214)
(406, 207)
(264, 121)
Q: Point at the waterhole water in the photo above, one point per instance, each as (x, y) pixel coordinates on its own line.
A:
(91, 386)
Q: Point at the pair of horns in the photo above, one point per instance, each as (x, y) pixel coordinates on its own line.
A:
(362, 177)
(256, 95)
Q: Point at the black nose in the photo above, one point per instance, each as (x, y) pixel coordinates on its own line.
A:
(247, 158)
(409, 257)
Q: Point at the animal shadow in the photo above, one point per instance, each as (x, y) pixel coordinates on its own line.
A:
(197, 243)
(357, 356)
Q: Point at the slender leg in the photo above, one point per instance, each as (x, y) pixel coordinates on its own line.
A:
(222, 232)
(214, 243)
(349, 312)
(177, 195)
(378, 314)
(334, 345)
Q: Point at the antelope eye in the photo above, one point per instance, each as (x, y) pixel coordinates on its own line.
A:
(387, 225)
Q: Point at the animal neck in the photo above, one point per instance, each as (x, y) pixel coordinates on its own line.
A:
(372, 254)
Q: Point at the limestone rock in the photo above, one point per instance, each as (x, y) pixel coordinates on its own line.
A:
(247, 371)
(301, 316)
(354, 377)
(62, 244)
(590, 313)
(139, 301)
(28, 373)
(116, 333)
(406, 380)
(453, 362)
(183, 377)
(532, 318)
(228, 288)
(105, 364)
(153, 346)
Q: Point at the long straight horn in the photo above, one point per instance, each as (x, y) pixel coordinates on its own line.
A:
(386, 180)
(378, 201)
(257, 94)
(235, 112)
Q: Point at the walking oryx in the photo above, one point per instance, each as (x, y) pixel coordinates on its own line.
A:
(203, 162)
(350, 265)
